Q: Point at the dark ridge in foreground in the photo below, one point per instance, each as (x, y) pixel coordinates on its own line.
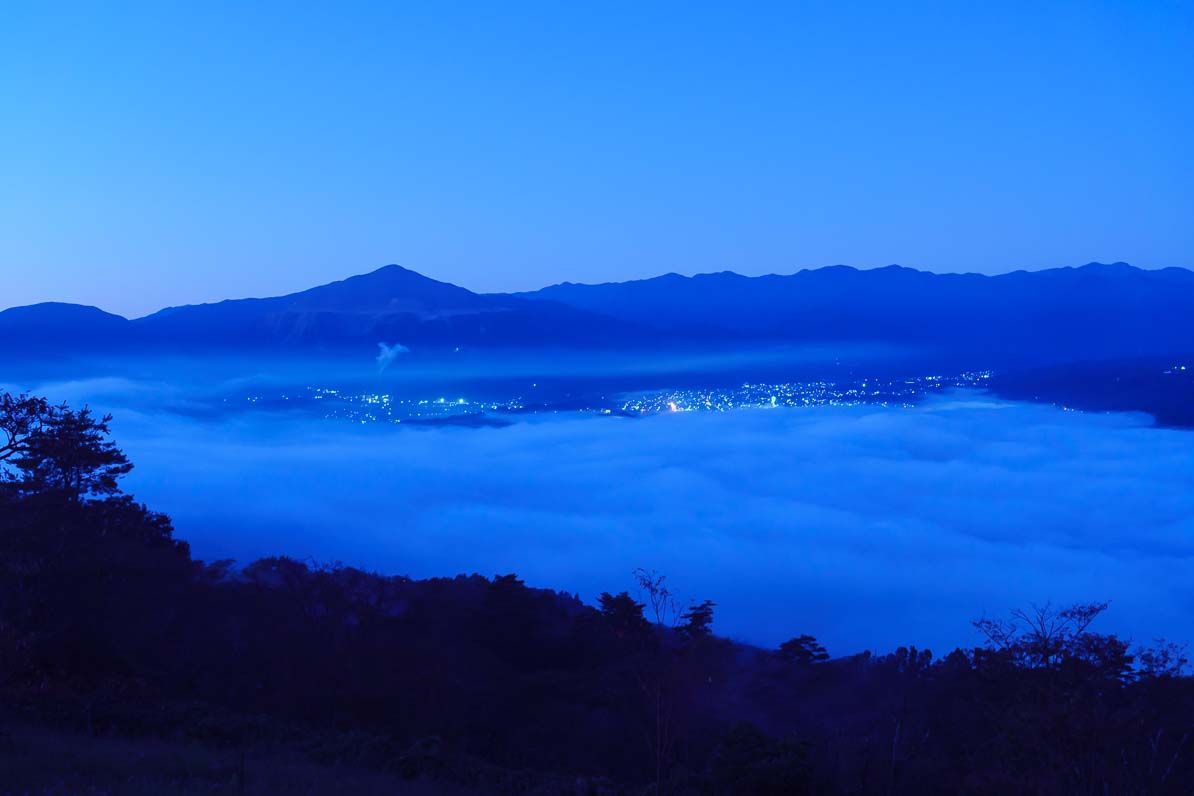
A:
(116, 645)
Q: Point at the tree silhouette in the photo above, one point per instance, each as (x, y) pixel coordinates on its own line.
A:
(660, 597)
(20, 416)
(623, 614)
(1044, 636)
(53, 450)
(697, 622)
(803, 651)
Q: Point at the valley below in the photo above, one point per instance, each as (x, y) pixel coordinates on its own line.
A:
(838, 490)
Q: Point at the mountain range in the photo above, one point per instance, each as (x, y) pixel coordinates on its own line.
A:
(1096, 309)
(391, 305)
(1092, 311)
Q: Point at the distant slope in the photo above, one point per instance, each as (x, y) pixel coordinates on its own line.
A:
(1164, 388)
(392, 304)
(54, 325)
(1092, 311)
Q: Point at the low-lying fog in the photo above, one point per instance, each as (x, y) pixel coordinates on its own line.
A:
(866, 526)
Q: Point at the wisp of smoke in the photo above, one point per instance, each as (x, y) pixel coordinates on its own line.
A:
(386, 354)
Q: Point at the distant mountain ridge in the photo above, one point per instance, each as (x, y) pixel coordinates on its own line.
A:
(389, 305)
(1093, 311)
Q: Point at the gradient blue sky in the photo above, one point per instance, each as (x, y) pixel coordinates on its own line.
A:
(167, 153)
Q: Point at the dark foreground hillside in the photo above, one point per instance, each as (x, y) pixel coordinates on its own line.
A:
(37, 761)
(128, 667)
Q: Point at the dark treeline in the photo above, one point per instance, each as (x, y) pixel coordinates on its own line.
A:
(108, 627)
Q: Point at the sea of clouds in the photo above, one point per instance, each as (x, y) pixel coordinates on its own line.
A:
(868, 527)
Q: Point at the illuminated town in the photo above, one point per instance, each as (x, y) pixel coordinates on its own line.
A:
(366, 408)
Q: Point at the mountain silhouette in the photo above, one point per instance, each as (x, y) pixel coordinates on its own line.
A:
(391, 304)
(1095, 310)
(374, 306)
(57, 325)
(1090, 312)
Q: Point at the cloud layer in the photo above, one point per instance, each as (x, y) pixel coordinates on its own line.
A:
(867, 527)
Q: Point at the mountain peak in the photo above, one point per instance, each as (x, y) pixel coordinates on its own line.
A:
(56, 323)
(60, 310)
(391, 271)
(390, 287)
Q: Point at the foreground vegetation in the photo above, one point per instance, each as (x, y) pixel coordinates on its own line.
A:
(120, 653)
(36, 761)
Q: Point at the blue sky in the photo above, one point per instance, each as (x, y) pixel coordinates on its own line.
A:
(166, 153)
